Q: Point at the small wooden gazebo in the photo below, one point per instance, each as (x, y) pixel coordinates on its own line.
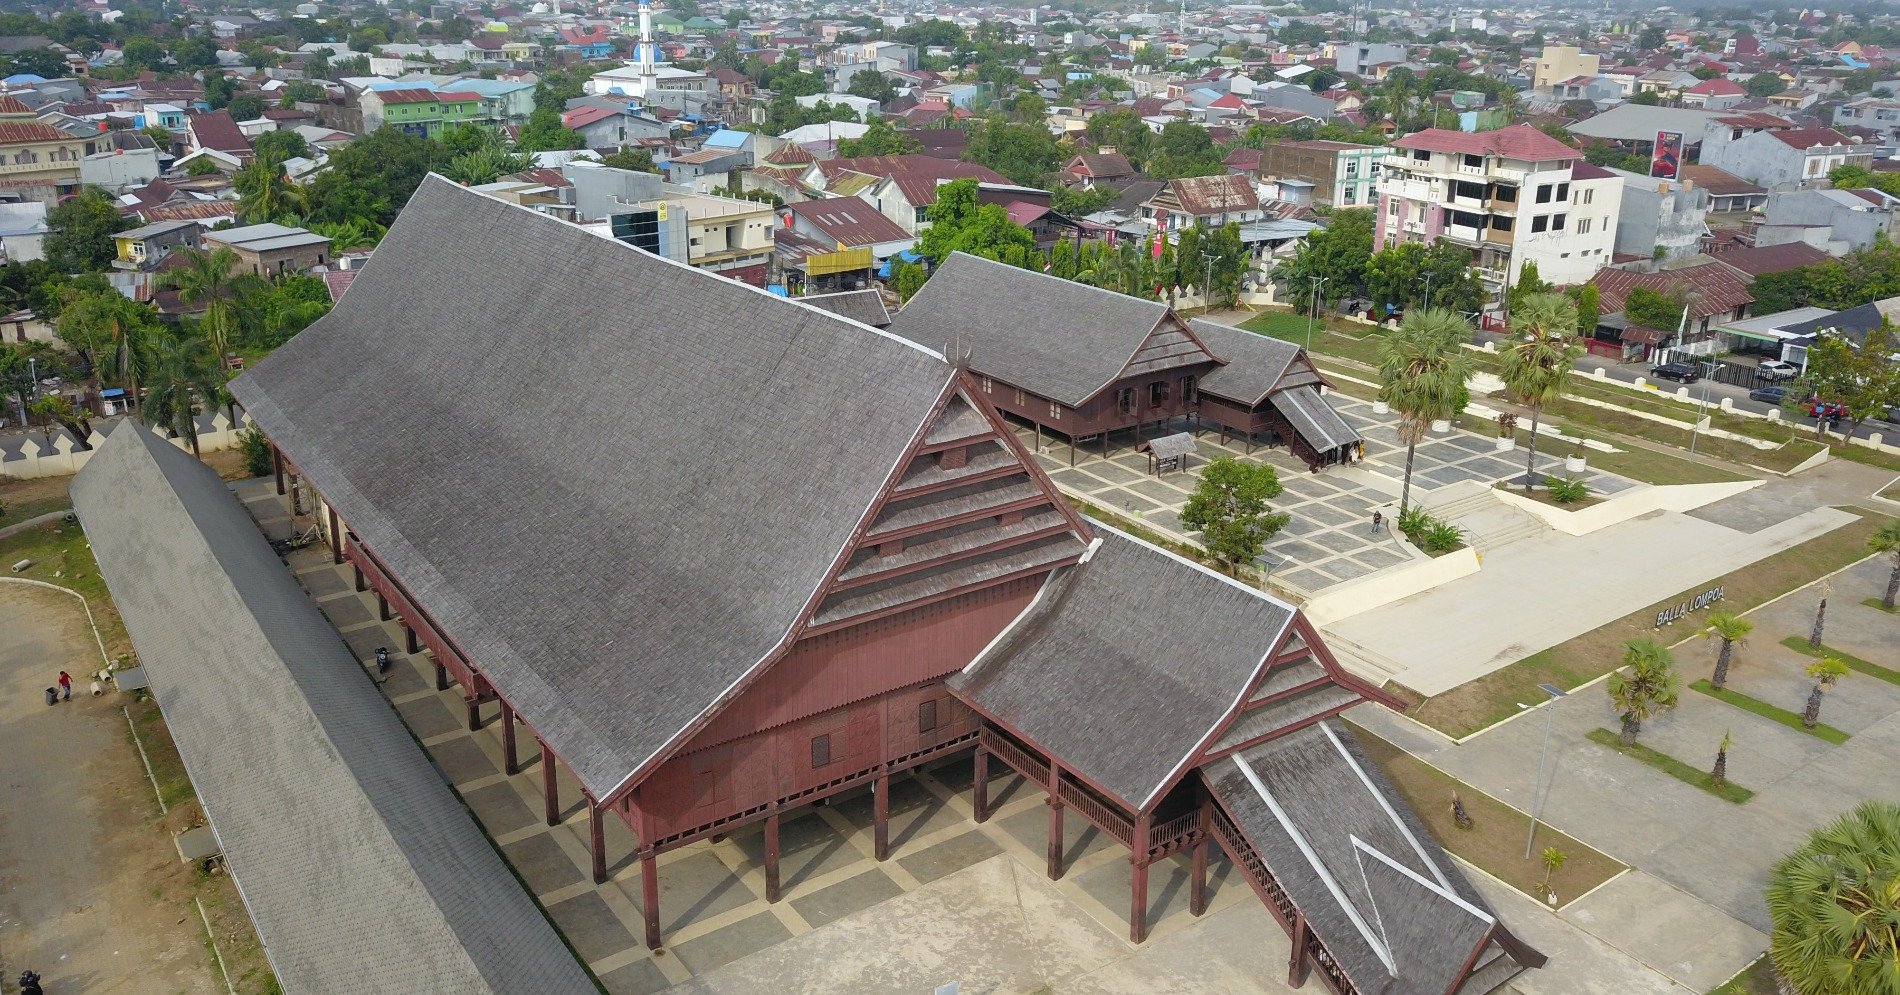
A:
(1169, 453)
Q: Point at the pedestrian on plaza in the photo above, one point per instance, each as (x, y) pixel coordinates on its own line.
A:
(65, 686)
(1378, 522)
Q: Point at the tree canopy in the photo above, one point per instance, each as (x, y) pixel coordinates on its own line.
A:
(1229, 508)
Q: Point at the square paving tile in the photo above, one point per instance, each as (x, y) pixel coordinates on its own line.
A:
(1341, 542)
(462, 760)
(1170, 884)
(1307, 580)
(641, 977)
(1030, 827)
(915, 811)
(1162, 490)
(1357, 505)
(950, 856)
(1168, 520)
(543, 864)
(1447, 475)
(1299, 552)
(590, 926)
(1347, 569)
(363, 642)
(1127, 501)
(1494, 466)
(345, 612)
(725, 945)
(697, 886)
(406, 678)
(501, 809)
(1113, 473)
(1325, 514)
(428, 717)
(808, 847)
(323, 583)
(1073, 478)
(1471, 443)
(1380, 557)
(854, 894)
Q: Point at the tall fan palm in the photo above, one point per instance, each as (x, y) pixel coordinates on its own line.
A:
(1646, 686)
(1886, 542)
(1834, 904)
(207, 279)
(1538, 359)
(1733, 630)
(179, 370)
(265, 191)
(1423, 370)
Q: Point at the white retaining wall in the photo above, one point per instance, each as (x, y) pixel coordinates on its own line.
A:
(62, 459)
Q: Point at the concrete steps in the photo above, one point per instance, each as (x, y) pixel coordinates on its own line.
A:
(1487, 521)
(1373, 667)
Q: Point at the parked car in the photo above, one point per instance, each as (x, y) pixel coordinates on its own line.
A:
(1818, 408)
(1679, 372)
(1776, 369)
(1770, 395)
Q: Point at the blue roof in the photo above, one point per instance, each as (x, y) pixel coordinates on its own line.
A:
(23, 78)
(492, 87)
(727, 138)
(421, 84)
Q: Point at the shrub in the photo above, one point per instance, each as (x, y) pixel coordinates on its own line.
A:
(1413, 521)
(1567, 490)
(256, 449)
(1443, 537)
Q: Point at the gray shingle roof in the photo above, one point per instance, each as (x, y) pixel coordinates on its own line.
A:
(866, 306)
(1323, 816)
(1132, 620)
(360, 869)
(1313, 418)
(616, 482)
(1255, 363)
(1056, 338)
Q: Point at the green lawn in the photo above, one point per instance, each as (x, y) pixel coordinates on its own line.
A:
(1492, 698)
(1800, 645)
(1757, 979)
(1875, 604)
(1767, 711)
(1729, 791)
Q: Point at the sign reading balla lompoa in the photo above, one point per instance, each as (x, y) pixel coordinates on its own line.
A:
(1697, 603)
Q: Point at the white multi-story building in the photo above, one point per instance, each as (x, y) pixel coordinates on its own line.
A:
(1508, 196)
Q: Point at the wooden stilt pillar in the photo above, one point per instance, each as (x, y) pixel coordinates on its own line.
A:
(277, 468)
(296, 496)
(650, 894)
(382, 608)
(881, 817)
(1197, 888)
(772, 893)
(336, 539)
(410, 641)
(597, 840)
(362, 583)
(1296, 970)
(550, 784)
(980, 791)
(441, 676)
(474, 713)
(1055, 839)
(510, 763)
(1038, 437)
(1138, 890)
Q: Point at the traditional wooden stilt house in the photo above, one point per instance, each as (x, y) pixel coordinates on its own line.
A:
(791, 556)
(1084, 363)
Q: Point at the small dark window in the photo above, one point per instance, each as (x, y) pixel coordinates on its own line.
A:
(1125, 400)
(927, 716)
(1563, 191)
(820, 750)
(1474, 161)
(1543, 194)
(1500, 222)
(1157, 393)
(1506, 195)
(1557, 221)
(1187, 390)
(1539, 223)
(1421, 155)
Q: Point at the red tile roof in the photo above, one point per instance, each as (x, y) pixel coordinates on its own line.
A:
(1516, 142)
(458, 97)
(1718, 181)
(1759, 260)
(916, 176)
(10, 104)
(216, 130)
(849, 221)
(18, 132)
(1586, 171)
(406, 95)
(1807, 138)
(1208, 195)
(1101, 165)
(581, 117)
(1717, 87)
(1242, 158)
(1717, 290)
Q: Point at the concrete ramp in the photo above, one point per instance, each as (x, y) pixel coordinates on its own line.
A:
(1489, 522)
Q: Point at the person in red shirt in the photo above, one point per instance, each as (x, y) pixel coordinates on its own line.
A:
(65, 686)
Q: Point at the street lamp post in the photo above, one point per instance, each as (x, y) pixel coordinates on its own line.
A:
(1696, 430)
(1537, 789)
(1320, 282)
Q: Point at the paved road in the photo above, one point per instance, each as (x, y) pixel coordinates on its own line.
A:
(76, 899)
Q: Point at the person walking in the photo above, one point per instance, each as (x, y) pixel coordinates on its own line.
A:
(1378, 522)
(65, 686)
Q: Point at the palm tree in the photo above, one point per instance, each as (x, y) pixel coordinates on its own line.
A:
(206, 279)
(1733, 631)
(1825, 672)
(1645, 687)
(1423, 369)
(1887, 543)
(1538, 359)
(179, 370)
(1833, 904)
(265, 192)
(1719, 776)
(109, 328)
(1820, 616)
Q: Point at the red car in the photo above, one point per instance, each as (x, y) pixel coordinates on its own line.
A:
(1825, 409)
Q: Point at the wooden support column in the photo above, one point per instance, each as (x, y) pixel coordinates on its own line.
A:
(441, 676)
(1138, 890)
(510, 764)
(474, 712)
(881, 816)
(277, 467)
(336, 539)
(382, 607)
(772, 892)
(362, 584)
(1197, 888)
(550, 783)
(1055, 821)
(650, 894)
(409, 639)
(980, 790)
(1038, 437)
(597, 840)
(296, 496)
(1296, 971)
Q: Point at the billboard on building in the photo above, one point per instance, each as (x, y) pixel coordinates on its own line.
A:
(1667, 160)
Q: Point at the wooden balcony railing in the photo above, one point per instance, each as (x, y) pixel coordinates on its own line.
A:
(1105, 818)
(1278, 902)
(1174, 835)
(1014, 756)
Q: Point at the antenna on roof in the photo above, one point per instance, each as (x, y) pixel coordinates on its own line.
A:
(959, 355)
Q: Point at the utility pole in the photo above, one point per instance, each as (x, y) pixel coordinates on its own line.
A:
(1320, 282)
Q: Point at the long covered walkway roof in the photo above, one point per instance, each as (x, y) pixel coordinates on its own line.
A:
(360, 869)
